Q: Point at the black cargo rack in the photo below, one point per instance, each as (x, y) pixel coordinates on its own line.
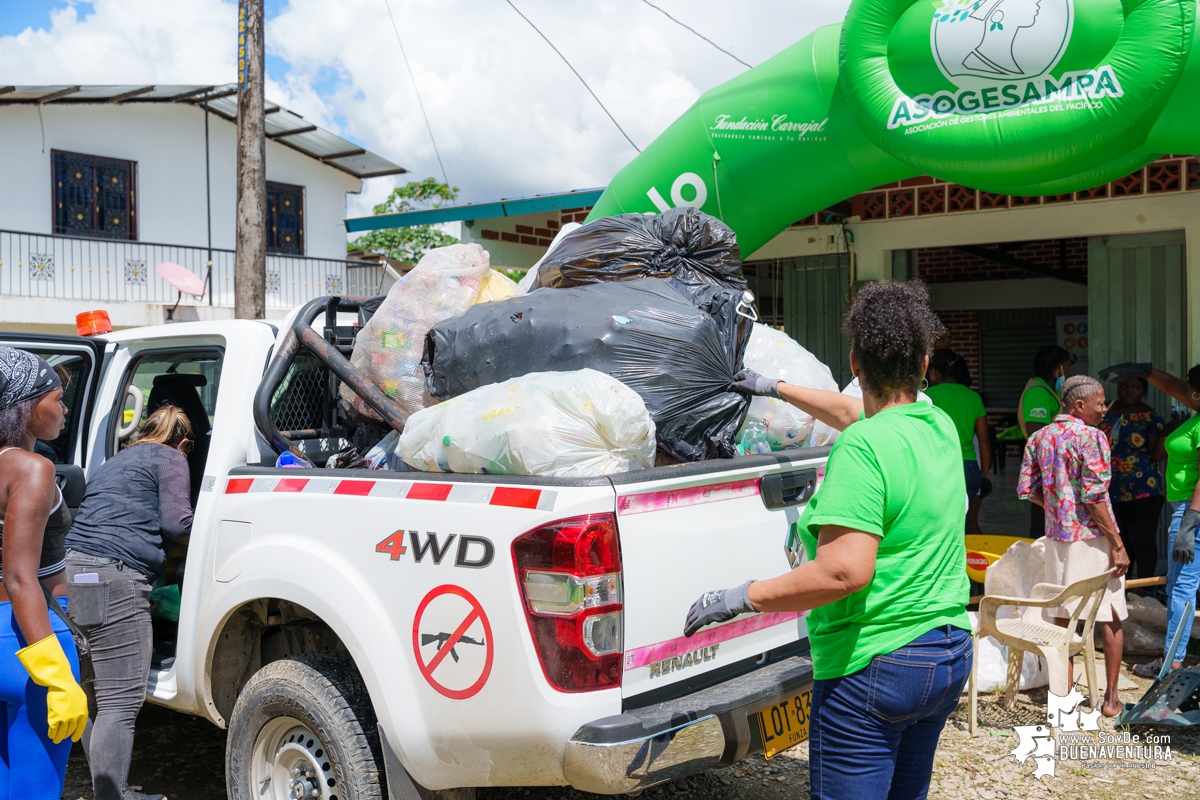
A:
(330, 349)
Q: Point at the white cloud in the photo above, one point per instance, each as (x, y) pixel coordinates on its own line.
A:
(509, 117)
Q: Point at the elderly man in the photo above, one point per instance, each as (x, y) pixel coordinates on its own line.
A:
(1066, 470)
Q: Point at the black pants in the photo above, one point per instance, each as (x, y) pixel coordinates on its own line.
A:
(1137, 521)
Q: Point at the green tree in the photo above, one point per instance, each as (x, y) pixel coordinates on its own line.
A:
(409, 244)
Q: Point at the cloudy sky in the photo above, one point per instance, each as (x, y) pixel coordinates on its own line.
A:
(509, 117)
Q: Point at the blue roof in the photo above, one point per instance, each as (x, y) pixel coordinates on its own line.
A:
(507, 207)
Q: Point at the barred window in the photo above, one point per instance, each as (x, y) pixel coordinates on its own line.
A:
(94, 196)
(285, 219)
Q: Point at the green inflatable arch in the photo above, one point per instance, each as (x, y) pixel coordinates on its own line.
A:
(1019, 97)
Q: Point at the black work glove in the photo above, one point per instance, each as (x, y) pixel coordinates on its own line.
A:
(1184, 550)
(720, 606)
(750, 382)
(1120, 372)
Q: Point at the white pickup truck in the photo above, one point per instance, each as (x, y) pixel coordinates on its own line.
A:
(376, 634)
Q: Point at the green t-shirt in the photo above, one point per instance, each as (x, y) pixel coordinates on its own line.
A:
(1182, 467)
(964, 407)
(1040, 403)
(899, 476)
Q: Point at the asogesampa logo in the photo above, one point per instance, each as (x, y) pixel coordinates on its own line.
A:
(1000, 54)
(980, 43)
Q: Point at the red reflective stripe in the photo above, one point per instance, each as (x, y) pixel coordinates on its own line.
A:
(291, 485)
(238, 485)
(516, 498)
(356, 488)
(429, 491)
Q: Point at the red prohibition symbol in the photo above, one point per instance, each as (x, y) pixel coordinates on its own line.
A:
(447, 641)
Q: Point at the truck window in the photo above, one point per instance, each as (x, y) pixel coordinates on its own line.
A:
(188, 379)
(73, 370)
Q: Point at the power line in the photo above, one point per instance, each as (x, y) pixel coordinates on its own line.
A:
(436, 152)
(693, 30)
(577, 75)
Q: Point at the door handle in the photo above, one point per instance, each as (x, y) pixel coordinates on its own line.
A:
(789, 488)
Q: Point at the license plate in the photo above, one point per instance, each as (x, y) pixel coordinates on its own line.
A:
(785, 724)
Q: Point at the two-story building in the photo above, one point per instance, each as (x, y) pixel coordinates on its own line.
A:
(100, 184)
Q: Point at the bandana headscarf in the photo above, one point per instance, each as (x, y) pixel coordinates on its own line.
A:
(24, 376)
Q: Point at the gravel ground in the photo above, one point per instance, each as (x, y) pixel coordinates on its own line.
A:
(185, 758)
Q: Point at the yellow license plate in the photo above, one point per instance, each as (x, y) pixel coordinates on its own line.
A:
(785, 724)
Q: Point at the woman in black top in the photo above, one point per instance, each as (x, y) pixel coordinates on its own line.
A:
(114, 554)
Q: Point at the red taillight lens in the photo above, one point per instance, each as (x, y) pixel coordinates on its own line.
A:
(570, 578)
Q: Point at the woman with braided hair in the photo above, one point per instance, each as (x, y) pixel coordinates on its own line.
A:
(42, 705)
(1066, 470)
(885, 576)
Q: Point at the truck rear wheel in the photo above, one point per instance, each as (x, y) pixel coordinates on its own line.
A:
(303, 727)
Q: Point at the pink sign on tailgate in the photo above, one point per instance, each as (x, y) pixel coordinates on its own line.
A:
(652, 653)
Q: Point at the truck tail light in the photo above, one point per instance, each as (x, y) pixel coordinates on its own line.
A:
(569, 573)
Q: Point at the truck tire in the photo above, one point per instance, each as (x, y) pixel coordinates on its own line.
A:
(304, 727)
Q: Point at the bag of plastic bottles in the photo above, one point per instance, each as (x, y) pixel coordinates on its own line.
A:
(681, 243)
(387, 350)
(558, 424)
(774, 354)
(678, 346)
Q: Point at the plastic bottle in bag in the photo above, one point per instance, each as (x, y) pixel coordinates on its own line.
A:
(774, 354)
(754, 439)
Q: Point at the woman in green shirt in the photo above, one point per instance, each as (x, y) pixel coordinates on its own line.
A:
(1039, 405)
(1182, 450)
(884, 580)
(965, 408)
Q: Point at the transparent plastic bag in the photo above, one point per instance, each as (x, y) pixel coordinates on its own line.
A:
(497, 286)
(445, 283)
(774, 354)
(557, 424)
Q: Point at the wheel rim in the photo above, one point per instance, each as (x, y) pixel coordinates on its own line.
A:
(291, 763)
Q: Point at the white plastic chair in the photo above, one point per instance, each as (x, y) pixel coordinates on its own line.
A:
(1034, 635)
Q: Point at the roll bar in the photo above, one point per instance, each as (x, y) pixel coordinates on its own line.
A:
(302, 334)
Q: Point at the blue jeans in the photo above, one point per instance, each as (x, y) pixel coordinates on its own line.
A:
(1183, 580)
(31, 766)
(875, 731)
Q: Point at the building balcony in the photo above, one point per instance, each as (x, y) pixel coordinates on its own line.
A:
(101, 272)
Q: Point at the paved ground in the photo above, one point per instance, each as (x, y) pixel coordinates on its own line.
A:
(185, 757)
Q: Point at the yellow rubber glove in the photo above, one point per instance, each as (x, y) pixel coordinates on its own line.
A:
(66, 704)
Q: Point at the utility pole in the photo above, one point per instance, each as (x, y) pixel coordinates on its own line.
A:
(250, 262)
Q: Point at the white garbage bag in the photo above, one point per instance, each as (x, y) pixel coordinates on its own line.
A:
(388, 349)
(774, 354)
(991, 668)
(558, 424)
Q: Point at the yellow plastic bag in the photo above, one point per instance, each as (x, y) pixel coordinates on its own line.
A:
(496, 286)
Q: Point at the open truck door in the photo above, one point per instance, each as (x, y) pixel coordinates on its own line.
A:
(80, 364)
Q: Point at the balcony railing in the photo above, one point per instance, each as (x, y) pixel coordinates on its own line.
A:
(116, 271)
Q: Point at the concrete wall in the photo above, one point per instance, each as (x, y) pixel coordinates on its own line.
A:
(167, 142)
(874, 241)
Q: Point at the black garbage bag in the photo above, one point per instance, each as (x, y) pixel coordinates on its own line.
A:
(682, 243)
(678, 346)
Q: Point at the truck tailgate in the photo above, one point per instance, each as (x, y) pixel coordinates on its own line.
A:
(692, 529)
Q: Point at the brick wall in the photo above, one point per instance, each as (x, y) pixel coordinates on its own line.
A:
(944, 264)
(542, 235)
(963, 338)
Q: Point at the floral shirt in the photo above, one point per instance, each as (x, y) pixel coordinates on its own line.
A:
(1069, 462)
(1135, 475)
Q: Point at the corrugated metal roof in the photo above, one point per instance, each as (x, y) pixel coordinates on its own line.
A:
(283, 126)
(507, 207)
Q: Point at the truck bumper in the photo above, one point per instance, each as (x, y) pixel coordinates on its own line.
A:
(713, 727)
